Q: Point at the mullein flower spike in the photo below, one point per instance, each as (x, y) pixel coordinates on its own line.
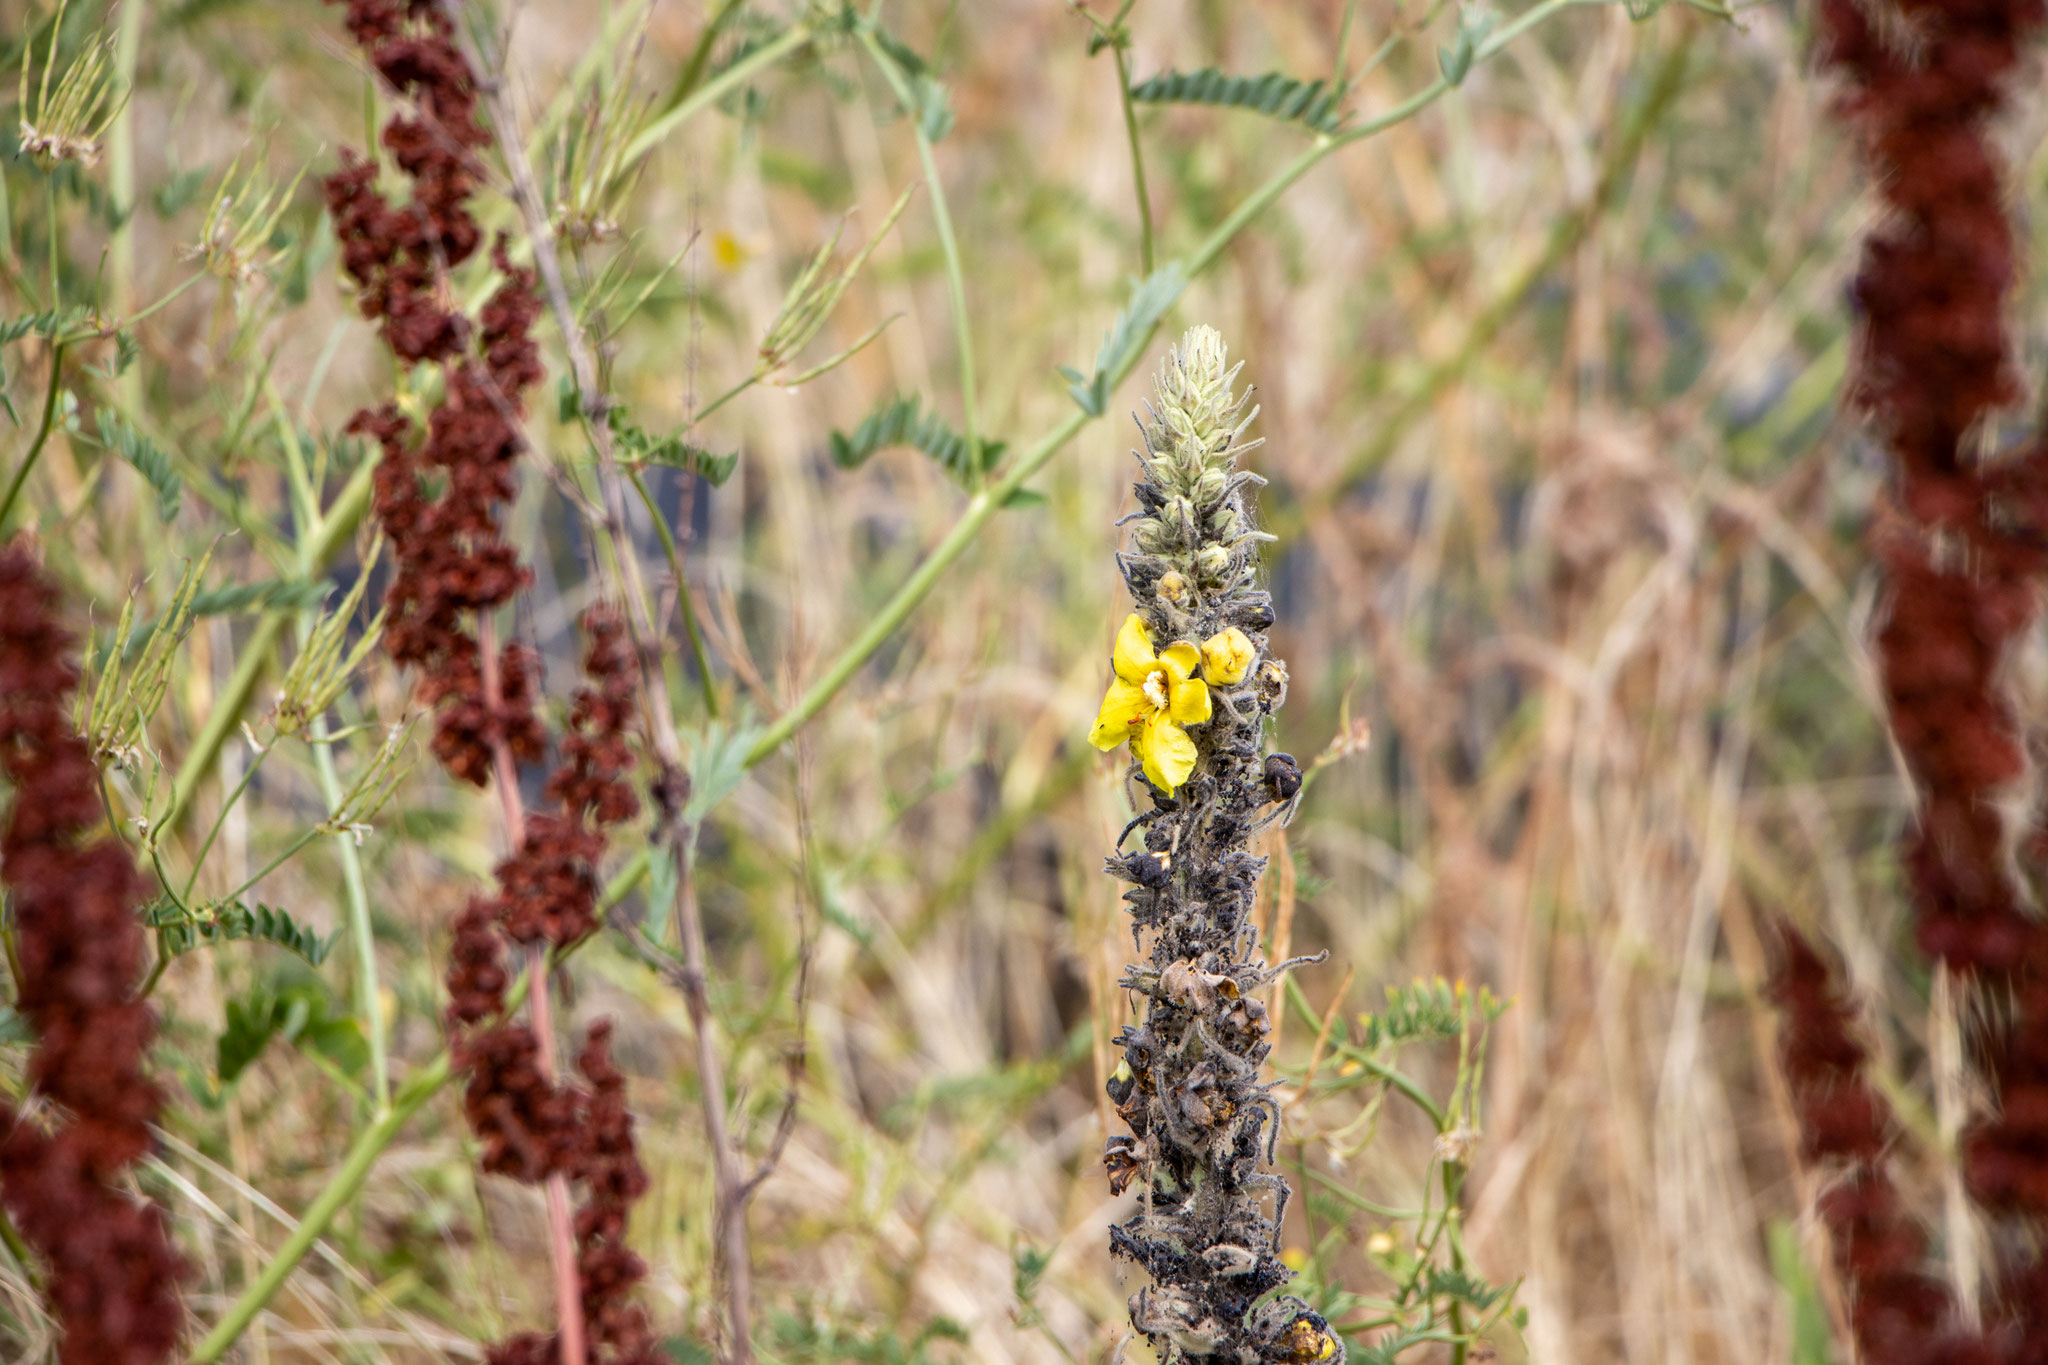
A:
(1206, 1229)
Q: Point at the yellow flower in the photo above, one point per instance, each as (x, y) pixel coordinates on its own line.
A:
(1149, 700)
(1226, 657)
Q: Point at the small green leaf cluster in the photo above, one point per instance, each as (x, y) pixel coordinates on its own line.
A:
(903, 421)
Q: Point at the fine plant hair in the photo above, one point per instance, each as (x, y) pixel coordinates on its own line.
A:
(1191, 1087)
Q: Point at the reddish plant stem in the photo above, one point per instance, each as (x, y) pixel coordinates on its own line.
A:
(672, 783)
(561, 1223)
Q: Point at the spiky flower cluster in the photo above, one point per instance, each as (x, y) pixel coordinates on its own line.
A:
(111, 1271)
(1202, 1123)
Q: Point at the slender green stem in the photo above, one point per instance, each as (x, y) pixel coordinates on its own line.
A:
(341, 1187)
(715, 89)
(42, 436)
(675, 568)
(986, 503)
(1298, 1000)
(121, 171)
(715, 404)
(221, 819)
(361, 937)
(1123, 91)
(956, 285)
(16, 1247)
(1453, 1177)
(291, 851)
(326, 539)
(164, 301)
(942, 222)
(693, 69)
(355, 1167)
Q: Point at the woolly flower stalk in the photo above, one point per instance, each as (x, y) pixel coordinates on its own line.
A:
(1193, 687)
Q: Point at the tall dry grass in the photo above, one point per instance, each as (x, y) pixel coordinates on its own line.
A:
(1548, 378)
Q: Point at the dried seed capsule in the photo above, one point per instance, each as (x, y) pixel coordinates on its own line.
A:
(1149, 869)
(1283, 776)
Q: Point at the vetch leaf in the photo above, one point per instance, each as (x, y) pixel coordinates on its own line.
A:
(903, 422)
(182, 930)
(1150, 299)
(146, 458)
(1314, 104)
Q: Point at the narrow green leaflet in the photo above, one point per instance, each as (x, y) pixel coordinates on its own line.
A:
(1314, 104)
(1475, 24)
(637, 446)
(1151, 297)
(303, 1014)
(930, 102)
(1466, 1288)
(718, 764)
(904, 422)
(181, 930)
(146, 458)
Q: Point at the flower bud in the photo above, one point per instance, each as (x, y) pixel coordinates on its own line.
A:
(1212, 562)
(1226, 657)
(1150, 536)
(1172, 586)
(1223, 521)
(1209, 488)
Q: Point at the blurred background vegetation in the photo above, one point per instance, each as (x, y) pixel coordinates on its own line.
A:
(1566, 518)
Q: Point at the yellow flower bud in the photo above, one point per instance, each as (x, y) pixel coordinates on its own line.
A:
(1226, 657)
(1172, 586)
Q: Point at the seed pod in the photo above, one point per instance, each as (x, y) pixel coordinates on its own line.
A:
(1283, 776)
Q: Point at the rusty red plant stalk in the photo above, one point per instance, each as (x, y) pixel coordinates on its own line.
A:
(454, 568)
(111, 1271)
(1962, 553)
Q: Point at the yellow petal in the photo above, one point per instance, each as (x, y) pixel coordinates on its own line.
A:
(1226, 657)
(1190, 702)
(1181, 660)
(1166, 751)
(1122, 710)
(1133, 657)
